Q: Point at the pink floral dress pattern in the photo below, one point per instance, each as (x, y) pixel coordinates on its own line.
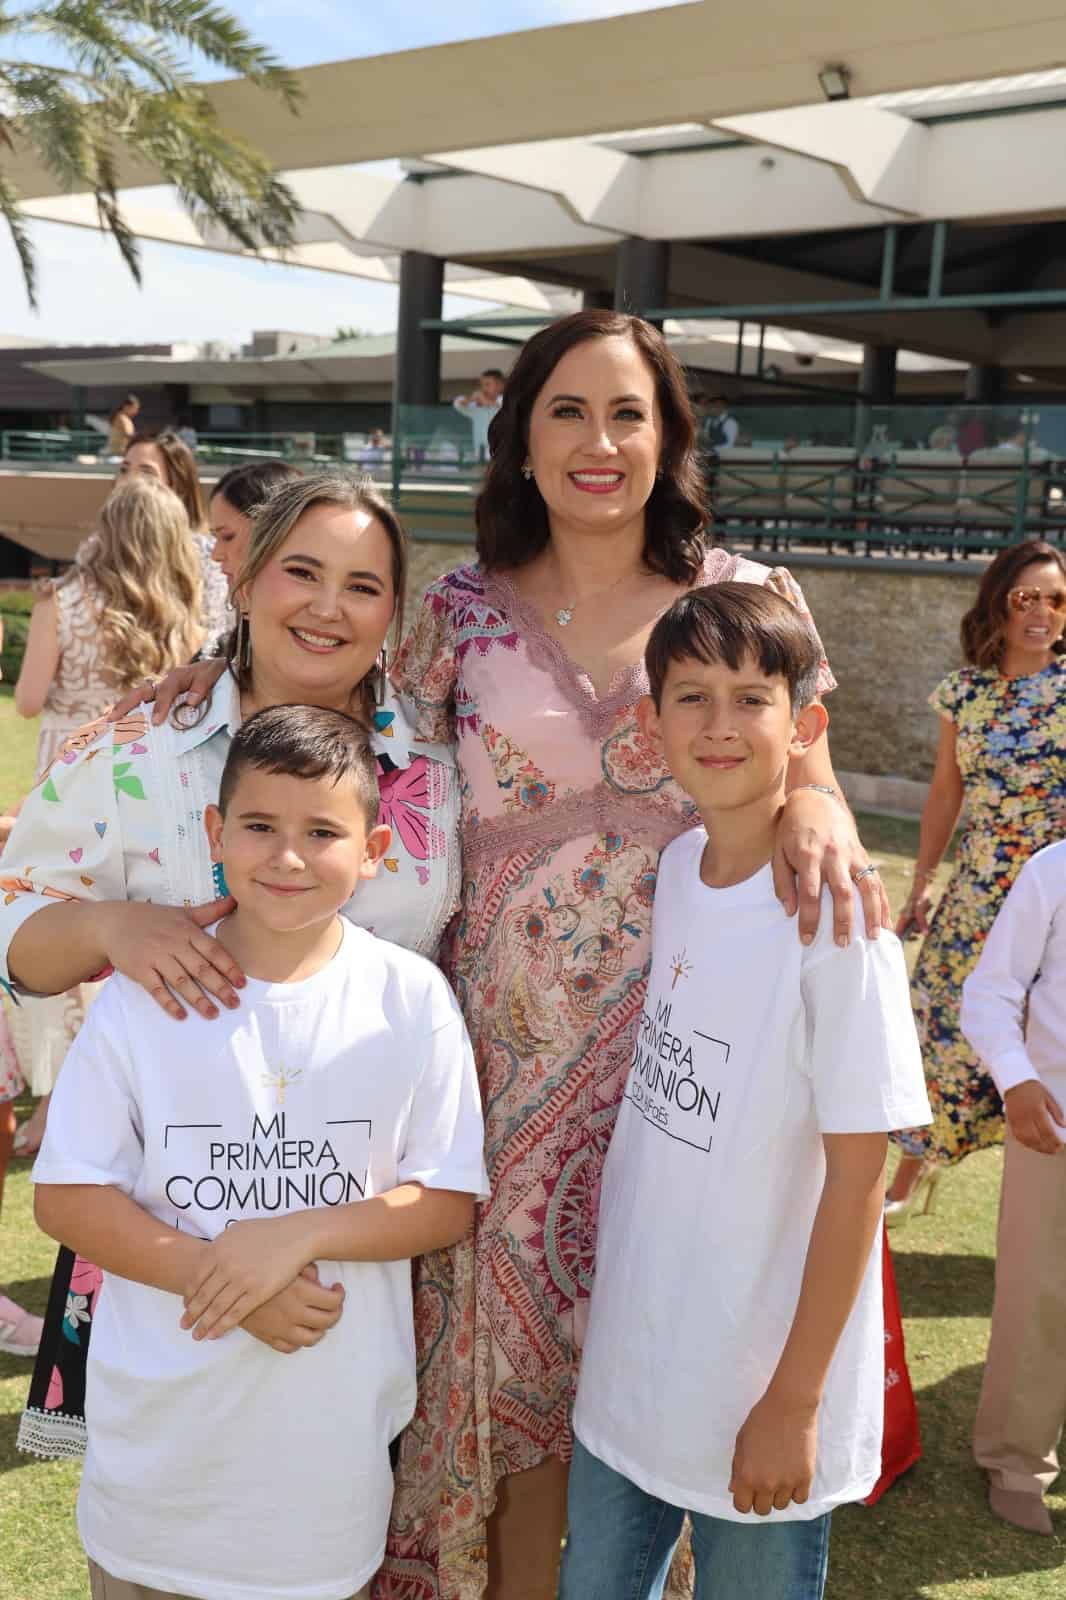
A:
(565, 809)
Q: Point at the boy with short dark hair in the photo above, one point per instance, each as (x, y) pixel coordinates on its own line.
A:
(323, 1134)
(735, 1353)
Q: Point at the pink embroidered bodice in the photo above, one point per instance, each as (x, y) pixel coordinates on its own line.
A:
(543, 758)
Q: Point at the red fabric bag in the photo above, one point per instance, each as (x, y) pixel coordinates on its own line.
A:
(902, 1445)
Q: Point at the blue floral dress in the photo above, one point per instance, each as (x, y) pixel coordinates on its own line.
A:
(1011, 750)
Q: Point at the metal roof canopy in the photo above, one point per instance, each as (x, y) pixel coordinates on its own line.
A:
(696, 62)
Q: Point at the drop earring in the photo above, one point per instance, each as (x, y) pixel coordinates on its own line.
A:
(382, 677)
(242, 652)
(527, 470)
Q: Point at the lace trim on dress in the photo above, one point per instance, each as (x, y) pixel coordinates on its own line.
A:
(51, 1434)
(589, 812)
(545, 651)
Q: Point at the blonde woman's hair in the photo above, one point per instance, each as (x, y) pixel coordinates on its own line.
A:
(275, 520)
(143, 565)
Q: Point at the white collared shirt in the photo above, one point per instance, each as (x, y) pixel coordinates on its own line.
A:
(119, 816)
(1014, 1001)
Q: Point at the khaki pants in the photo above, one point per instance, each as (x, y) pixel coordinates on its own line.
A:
(102, 1586)
(1023, 1398)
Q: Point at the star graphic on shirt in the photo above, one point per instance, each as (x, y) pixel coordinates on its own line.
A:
(680, 967)
(281, 1080)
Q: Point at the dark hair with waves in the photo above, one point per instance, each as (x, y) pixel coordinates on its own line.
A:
(984, 627)
(248, 487)
(512, 519)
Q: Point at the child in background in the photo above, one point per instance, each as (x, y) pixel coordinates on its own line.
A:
(1014, 1015)
(734, 1364)
(274, 1168)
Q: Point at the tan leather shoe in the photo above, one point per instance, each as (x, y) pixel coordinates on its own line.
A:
(1026, 1511)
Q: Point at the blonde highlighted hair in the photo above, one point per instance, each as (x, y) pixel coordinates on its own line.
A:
(143, 566)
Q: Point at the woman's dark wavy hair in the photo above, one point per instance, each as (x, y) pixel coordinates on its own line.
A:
(512, 519)
(984, 627)
(250, 486)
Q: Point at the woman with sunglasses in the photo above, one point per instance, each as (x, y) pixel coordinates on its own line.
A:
(1002, 754)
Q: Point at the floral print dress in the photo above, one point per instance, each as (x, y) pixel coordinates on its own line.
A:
(1011, 751)
(565, 809)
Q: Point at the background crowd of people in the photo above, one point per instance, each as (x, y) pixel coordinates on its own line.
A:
(528, 815)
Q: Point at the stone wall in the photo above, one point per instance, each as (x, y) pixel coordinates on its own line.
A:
(891, 631)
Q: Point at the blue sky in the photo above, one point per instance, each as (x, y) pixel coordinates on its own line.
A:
(86, 295)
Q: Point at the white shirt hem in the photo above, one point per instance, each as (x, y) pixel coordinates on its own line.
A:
(177, 1581)
(719, 1506)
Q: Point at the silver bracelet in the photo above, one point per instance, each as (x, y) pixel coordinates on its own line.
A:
(821, 788)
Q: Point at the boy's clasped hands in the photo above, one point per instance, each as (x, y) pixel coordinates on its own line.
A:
(258, 1275)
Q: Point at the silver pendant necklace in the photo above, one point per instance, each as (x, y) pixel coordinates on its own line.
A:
(565, 614)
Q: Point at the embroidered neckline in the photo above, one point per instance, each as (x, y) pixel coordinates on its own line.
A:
(627, 684)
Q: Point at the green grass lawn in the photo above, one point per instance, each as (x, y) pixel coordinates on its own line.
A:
(930, 1536)
(18, 749)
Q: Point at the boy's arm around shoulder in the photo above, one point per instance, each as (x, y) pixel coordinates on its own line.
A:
(441, 1174)
(992, 1015)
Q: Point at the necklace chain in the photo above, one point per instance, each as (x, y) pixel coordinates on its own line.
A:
(565, 614)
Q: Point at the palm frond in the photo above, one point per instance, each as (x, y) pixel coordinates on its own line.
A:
(16, 224)
(126, 84)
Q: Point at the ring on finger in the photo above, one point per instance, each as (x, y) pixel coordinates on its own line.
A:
(868, 871)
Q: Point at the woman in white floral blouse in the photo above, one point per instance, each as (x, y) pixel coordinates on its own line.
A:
(108, 863)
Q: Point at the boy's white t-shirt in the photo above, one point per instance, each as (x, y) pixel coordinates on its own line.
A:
(750, 1048)
(223, 1469)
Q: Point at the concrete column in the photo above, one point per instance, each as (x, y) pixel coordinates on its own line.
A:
(642, 275)
(878, 381)
(984, 386)
(417, 350)
(877, 387)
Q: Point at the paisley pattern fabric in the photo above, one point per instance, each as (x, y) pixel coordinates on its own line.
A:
(1011, 750)
(565, 808)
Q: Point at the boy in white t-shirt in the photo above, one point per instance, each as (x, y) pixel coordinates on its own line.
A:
(734, 1361)
(274, 1168)
(1014, 1015)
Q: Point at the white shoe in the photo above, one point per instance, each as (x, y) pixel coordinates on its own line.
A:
(20, 1331)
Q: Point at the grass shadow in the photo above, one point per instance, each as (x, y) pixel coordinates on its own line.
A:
(11, 1457)
(933, 1528)
(944, 1285)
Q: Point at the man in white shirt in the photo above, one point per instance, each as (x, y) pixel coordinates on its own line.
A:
(275, 1170)
(734, 1362)
(480, 408)
(720, 428)
(1014, 1015)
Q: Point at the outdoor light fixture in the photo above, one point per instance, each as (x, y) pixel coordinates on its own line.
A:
(835, 82)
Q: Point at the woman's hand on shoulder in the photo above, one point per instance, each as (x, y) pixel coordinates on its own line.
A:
(167, 952)
(195, 682)
(818, 844)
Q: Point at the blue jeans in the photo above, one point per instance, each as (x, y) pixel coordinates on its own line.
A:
(621, 1540)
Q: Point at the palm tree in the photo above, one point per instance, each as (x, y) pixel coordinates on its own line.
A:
(116, 74)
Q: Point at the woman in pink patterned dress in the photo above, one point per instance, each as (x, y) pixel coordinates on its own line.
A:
(590, 523)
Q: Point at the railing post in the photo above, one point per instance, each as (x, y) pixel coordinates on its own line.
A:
(888, 261)
(936, 260)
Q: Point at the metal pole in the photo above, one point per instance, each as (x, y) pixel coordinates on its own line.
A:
(936, 260)
(888, 260)
(738, 359)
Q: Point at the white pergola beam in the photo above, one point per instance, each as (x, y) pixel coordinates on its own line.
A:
(878, 153)
(598, 185)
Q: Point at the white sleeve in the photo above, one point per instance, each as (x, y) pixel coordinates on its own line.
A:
(444, 1147)
(731, 428)
(993, 996)
(94, 1134)
(861, 1045)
